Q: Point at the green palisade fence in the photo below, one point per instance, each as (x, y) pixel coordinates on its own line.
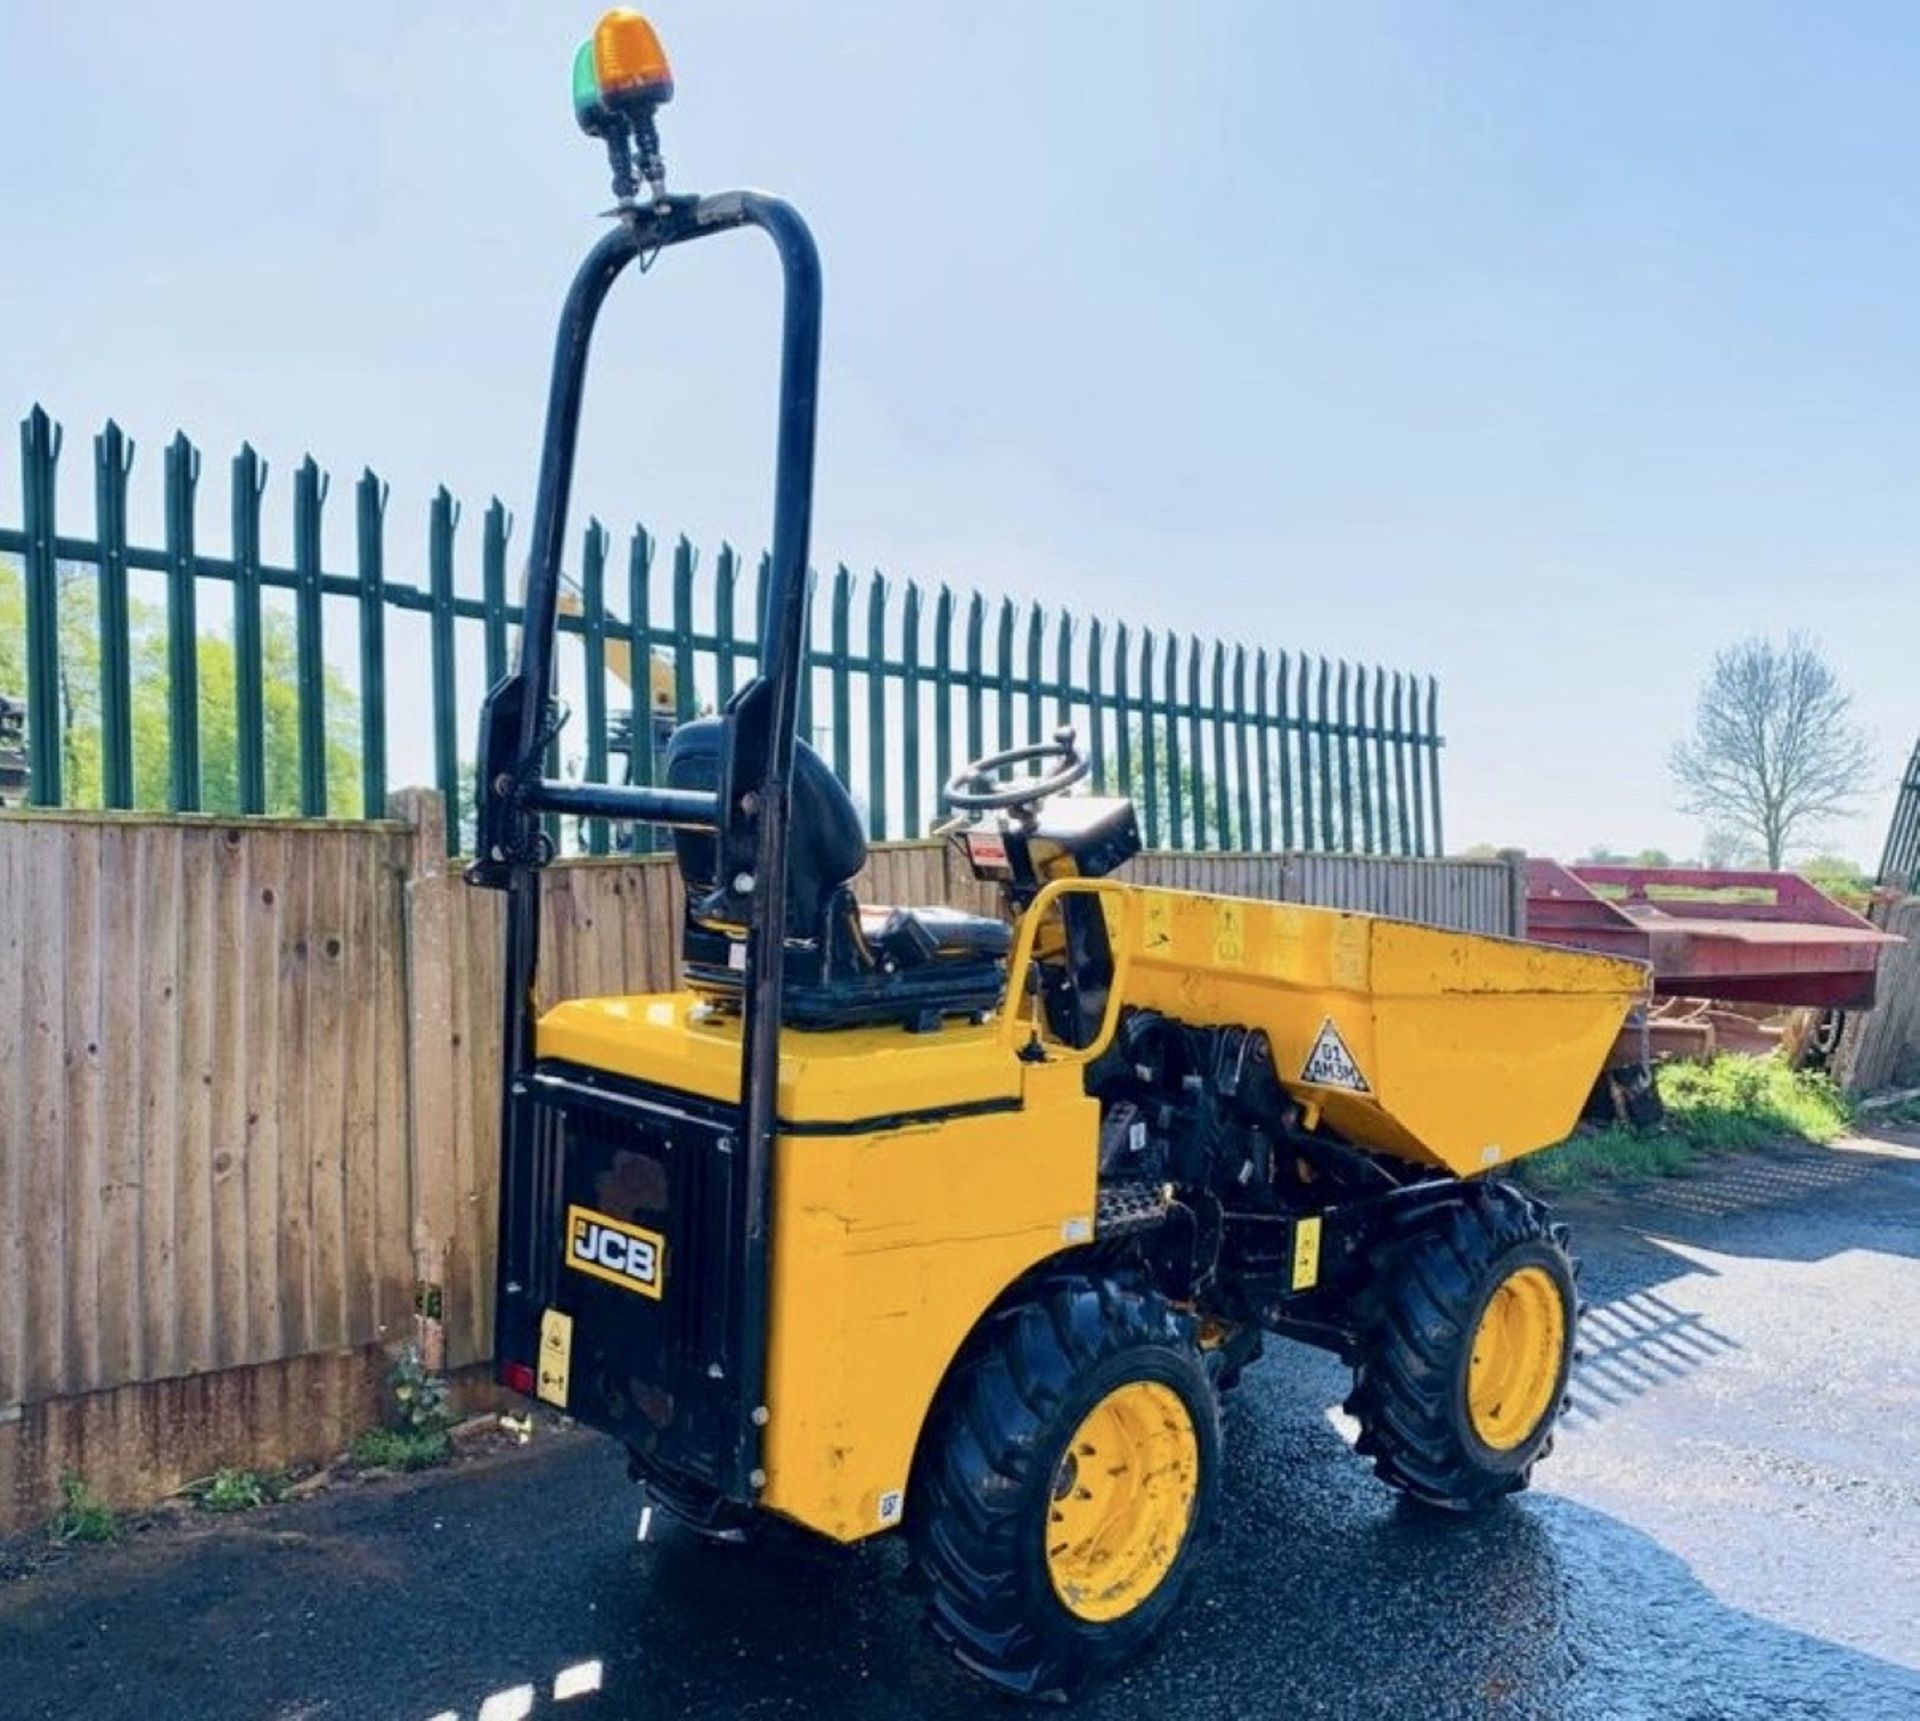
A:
(1222, 747)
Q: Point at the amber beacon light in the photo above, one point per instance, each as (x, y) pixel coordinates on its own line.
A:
(620, 76)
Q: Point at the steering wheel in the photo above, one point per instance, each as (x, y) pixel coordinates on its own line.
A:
(983, 787)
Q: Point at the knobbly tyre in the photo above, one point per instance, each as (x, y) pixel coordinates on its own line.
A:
(901, 1218)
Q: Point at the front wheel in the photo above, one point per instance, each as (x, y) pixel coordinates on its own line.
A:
(1464, 1358)
(1064, 1486)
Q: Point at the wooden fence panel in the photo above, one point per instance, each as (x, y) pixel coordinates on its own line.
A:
(1881, 1046)
(203, 1139)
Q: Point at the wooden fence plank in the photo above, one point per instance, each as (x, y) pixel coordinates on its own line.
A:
(223, 976)
(43, 1207)
(118, 1286)
(14, 1139)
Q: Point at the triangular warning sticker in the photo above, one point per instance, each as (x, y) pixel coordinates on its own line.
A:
(1331, 1065)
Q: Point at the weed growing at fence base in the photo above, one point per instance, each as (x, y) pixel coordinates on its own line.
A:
(83, 1515)
(1732, 1105)
(400, 1449)
(417, 1438)
(234, 1491)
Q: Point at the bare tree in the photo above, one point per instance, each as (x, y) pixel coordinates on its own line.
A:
(1774, 746)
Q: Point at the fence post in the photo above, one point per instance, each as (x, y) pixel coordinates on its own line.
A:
(39, 460)
(1434, 744)
(1196, 744)
(249, 671)
(806, 644)
(1096, 711)
(726, 569)
(432, 1063)
(1355, 739)
(1176, 790)
(1223, 812)
(1516, 860)
(1419, 768)
(1303, 732)
(1036, 653)
(1401, 805)
(1263, 740)
(910, 820)
(371, 508)
(877, 709)
(593, 605)
(942, 698)
(1346, 764)
(1282, 744)
(1004, 676)
(112, 461)
(976, 677)
(1323, 724)
(1123, 717)
(1063, 669)
(640, 673)
(442, 520)
(1385, 812)
(183, 637)
(684, 704)
(494, 530)
(310, 673)
(1149, 741)
(840, 642)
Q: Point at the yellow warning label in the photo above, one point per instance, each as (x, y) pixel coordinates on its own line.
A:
(1306, 1254)
(556, 1357)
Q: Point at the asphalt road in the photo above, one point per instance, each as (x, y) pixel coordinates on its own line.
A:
(1730, 1527)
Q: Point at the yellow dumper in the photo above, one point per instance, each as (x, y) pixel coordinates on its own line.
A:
(904, 1218)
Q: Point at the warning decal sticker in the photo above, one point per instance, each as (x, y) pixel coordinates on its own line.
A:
(1331, 1065)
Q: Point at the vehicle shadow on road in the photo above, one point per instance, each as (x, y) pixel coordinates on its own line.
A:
(1803, 1204)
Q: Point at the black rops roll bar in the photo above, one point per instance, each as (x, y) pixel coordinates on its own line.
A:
(749, 810)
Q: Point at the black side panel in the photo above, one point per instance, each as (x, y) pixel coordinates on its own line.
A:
(660, 1371)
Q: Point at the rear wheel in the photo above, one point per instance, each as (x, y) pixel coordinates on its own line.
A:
(1065, 1482)
(1464, 1359)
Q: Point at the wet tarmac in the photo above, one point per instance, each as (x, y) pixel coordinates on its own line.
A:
(1730, 1527)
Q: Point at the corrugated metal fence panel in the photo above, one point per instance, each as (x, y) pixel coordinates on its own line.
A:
(1881, 1046)
(1466, 895)
(203, 1130)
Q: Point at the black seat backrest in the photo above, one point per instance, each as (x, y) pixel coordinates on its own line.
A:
(825, 844)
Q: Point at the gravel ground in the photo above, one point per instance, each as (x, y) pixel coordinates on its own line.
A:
(1730, 1527)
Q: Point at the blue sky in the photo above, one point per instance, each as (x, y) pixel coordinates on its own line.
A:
(1547, 348)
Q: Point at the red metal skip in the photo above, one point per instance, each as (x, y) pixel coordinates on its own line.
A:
(1755, 937)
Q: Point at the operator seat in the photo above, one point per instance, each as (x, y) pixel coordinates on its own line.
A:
(846, 965)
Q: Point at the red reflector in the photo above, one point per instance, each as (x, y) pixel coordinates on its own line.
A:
(517, 1377)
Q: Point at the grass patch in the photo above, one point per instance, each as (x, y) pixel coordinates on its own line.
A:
(400, 1448)
(1732, 1105)
(83, 1515)
(234, 1491)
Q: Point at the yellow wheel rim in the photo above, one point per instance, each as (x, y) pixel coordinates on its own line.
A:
(1517, 1351)
(1122, 1500)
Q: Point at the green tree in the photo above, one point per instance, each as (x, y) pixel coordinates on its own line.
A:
(1199, 806)
(218, 704)
(1839, 878)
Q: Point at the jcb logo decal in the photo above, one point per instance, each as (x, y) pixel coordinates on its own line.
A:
(626, 1255)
